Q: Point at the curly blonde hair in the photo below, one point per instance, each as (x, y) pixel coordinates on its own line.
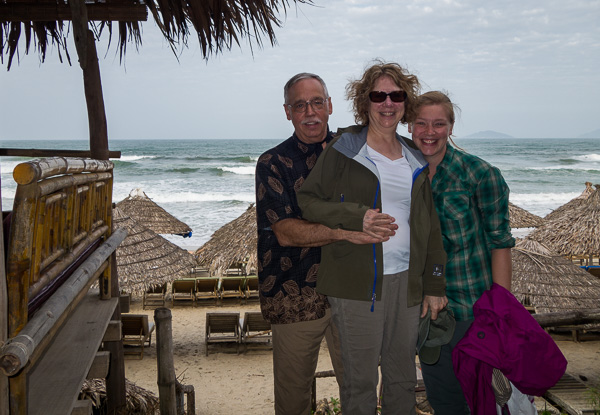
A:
(358, 90)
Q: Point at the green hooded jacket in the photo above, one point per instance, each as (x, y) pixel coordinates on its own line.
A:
(341, 187)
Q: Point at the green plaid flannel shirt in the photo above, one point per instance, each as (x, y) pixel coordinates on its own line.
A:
(471, 199)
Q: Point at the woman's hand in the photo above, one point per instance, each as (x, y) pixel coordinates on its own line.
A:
(379, 225)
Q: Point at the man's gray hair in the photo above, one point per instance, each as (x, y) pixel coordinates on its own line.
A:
(297, 78)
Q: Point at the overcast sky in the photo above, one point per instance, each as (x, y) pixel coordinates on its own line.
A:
(525, 68)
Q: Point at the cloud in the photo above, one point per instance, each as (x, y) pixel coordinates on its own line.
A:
(502, 62)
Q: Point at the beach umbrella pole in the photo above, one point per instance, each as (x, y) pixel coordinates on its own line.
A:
(170, 391)
(166, 367)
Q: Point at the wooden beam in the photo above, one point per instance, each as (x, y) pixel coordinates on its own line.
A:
(100, 365)
(116, 396)
(82, 407)
(15, 354)
(567, 318)
(52, 390)
(113, 332)
(166, 367)
(48, 12)
(4, 392)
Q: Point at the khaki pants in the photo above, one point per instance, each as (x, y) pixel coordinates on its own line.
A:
(388, 334)
(295, 355)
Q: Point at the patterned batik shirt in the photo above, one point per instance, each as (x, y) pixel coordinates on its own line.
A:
(287, 275)
(471, 199)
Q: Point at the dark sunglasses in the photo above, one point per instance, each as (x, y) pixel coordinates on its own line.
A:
(380, 96)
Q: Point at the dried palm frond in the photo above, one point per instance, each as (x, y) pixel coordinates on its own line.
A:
(146, 259)
(548, 282)
(139, 207)
(139, 401)
(573, 203)
(220, 24)
(233, 243)
(521, 218)
(576, 232)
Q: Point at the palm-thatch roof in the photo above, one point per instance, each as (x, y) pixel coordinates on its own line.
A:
(138, 400)
(567, 207)
(233, 243)
(220, 24)
(576, 232)
(139, 207)
(521, 218)
(548, 282)
(146, 259)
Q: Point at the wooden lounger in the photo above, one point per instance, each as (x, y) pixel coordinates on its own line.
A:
(222, 328)
(137, 331)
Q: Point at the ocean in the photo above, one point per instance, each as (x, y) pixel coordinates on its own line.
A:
(207, 183)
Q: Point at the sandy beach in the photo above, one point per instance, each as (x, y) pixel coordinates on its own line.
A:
(228, 383)
(224, 382)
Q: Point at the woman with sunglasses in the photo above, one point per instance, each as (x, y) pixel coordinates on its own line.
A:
(373, 180)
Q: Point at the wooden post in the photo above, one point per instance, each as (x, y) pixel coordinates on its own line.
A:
(88, 60)
(4, 400)
(95, 102)
(166, 367)
(116, 395)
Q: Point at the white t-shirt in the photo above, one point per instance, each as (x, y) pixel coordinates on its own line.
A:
(396, 186)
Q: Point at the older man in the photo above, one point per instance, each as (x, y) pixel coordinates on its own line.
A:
(288, 248)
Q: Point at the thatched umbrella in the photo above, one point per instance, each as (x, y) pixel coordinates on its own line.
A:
(567, 207)
(138, 400)
(139, 207)
(220, 24)
(521, 218)
(146, 259)
(576, 232)
(233, 243)
(548, 282)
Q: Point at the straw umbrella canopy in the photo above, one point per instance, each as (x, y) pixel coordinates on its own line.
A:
(548, 282)
(220, 24)
(521, 218)
(146, 259)
(139, 207)
(573, 203)
(577, 232)
(233, 243)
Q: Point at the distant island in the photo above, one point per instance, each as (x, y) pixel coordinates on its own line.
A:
(591, 134)
(487, 134)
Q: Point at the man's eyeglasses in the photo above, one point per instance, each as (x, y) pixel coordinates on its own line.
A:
(380, 96)
(317, 105)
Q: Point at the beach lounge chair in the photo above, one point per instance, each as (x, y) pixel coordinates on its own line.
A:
(207, 288)
(222, 328)
(232, 287)
(137, 331)
(155, 296)
(255, 329)
(251, 287)
(200, 272)
(183, 291)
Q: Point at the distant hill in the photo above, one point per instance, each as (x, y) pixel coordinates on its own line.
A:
(487, 134)
(592, 134)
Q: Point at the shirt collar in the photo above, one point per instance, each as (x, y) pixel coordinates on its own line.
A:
(327, 139)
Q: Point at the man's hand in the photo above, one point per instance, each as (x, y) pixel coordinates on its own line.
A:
(435, 304)
(379, 225)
